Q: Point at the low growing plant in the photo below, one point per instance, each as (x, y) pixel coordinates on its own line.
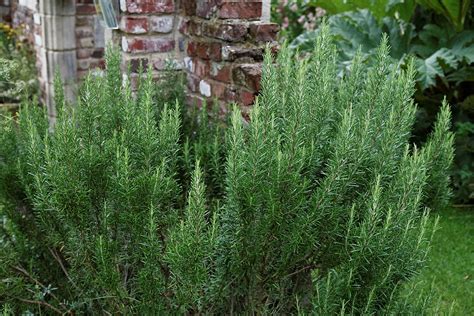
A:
(319, 208)
(17, 66)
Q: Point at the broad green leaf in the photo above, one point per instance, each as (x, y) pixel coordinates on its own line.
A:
(453, 10)
(462, 45)
(403, 9)
(430, 67)
(401, 35)
(462, 75)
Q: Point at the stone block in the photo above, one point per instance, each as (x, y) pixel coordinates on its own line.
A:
(57, 7)
(65, 62)
(59, 32)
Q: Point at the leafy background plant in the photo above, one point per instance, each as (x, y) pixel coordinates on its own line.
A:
(18, 70)
(439, 36)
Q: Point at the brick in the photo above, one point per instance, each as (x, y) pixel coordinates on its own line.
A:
(192, 82)
(98, 53)
(264, 32)
(83, 64)
(149, 6)
(84, 31)
(87, 42)
(206, 8)
(147, 44)
(190, 28)
(246, 97)
(232, 32)
(201, 67)
(84, 20)
(83, 53)
(136, 62)
(195, 100)
(189, 7)
(232, 53)
(162, 24)
(248, 75)
(85, 9)
(205, 50)
(221, 72)
(218, 89)
(239, 95)
(134, 25)
(240, 10)
(166, 64)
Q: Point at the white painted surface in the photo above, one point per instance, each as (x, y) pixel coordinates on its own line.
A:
(37, 18)
(124, 44)
(205, 88)
(266, 7)
(188, 63)
(30, 4)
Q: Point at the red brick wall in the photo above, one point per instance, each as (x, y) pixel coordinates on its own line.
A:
(220, 42)
(90, 42)
(148, 35)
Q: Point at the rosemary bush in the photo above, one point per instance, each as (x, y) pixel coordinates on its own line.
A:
(317, 205)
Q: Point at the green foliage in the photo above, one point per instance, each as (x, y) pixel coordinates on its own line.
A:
(463, 175)
(443, 59)
(440, 159)
(438, 52)
(317, 205)
(454, 10)
(17, 66)
(403, 9)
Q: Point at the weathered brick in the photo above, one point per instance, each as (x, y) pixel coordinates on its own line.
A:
(231, 53)
(166, 64)
(248, 75)
(162, 24)
(218, 89)
(134, 25)
(201, 67)
(84, 31)
(147, 44)
(239, 95)
(232, 32)
(264, 32)
(189, 7)
(83, 53)
(136, 63)
(149, 6)
(240, 10)
(192, 82)
(221, 72)
(206, 8)
(85, 9)
(205, 50)
(190, 27)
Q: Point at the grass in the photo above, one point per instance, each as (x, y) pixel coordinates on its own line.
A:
(450, 268)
